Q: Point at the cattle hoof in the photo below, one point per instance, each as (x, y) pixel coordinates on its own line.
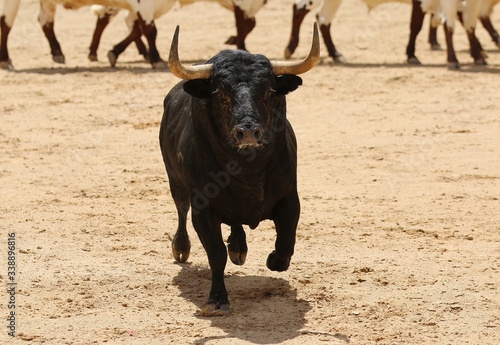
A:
(58, 58)
(159, 65)
(413, 61)
(480, 62)
(276, 263)
(92, 57)
(436, 47)
(497, 43)
(237, 258)
(453, 66)
(112, 58)
(6, 65)
(180, 257)
(340, 59)
(215, 309)
(181, 247)
(288, 53)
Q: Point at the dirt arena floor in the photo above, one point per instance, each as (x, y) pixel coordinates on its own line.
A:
(399, 180)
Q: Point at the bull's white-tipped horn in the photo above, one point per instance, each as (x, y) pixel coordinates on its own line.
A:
(302, 66)
(185, 72)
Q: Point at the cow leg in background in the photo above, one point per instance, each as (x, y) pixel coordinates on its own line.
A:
(10, 9)
(134, 34)
(210, 234)
(244, 26)
(433, 25)
(237, 245)
(103, 19)
(297, 17)
(325, 16)
(476, 50)
(46, 20)
(416, 22)
(327, 38)
(102, 22)
(488, 25)
(451, 56)
(286, 218)
(181, 246)
(150, 32)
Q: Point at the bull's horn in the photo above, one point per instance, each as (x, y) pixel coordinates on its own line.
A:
(185, 72)
(302, 66)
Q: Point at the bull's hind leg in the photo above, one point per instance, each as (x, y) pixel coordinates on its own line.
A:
(46, 20)
(237, 245)
(181, 246)
(286, 218)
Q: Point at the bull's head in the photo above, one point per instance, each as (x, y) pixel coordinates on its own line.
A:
(246, 92)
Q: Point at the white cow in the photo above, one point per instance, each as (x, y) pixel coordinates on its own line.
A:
(448, 9)
(144, 11)
(105, 14)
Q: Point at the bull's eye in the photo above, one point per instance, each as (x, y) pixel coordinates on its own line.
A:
(269, 93)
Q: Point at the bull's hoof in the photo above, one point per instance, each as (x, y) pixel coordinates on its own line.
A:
(58, 58)
(288, 53)
(237, 246)
(92, 57)
(276, 263)
(112, 58)
(453, 66)
(237, 258)
(413, 61)
(497, 43)
(159, 65)
(436, 47)
(231, 41)
(340, 59)
(215, 309)
(7, 65)
(181, 249)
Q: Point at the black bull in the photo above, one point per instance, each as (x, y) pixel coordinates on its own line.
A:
(231, 155)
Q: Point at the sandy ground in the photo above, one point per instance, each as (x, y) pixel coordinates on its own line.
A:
(399, 179)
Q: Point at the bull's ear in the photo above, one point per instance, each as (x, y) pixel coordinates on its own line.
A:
(199, 88)
(287, 83)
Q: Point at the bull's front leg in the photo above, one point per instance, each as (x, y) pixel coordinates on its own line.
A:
(209, 232)
(286, 218)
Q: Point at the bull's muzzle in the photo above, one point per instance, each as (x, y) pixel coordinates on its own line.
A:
(248, 135)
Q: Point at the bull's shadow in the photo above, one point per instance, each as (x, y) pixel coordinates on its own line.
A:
(265, 310)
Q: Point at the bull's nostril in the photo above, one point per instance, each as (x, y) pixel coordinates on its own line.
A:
(239, 135)
(258, 134)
